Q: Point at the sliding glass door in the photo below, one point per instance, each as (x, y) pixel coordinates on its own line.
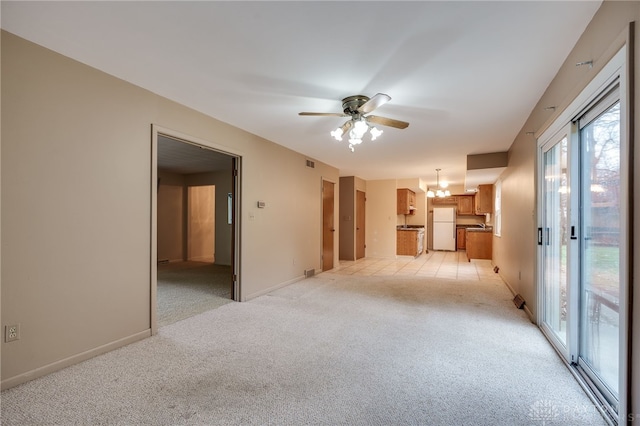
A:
(600, 244)
(583, 219)
(553, 238)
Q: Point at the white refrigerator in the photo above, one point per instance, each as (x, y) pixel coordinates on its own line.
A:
(444, 228)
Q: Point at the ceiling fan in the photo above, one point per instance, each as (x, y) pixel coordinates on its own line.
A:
(357, 107)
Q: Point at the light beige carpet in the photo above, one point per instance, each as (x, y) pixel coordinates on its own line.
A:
(186, 289)
(328, 350)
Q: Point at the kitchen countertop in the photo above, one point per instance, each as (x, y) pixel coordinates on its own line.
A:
(478, 229)
(409, 227)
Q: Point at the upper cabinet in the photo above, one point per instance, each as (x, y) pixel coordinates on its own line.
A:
(406, 201)
(466, 205)
(452, 199)
(484, 199)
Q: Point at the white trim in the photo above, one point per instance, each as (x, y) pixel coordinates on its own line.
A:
(497, 208)
(153, 208)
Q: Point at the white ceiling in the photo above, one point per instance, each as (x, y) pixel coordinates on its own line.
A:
(465, 74)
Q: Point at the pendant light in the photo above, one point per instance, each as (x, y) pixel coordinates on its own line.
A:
(440, 191)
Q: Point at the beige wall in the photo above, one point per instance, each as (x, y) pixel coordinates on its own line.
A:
(76, 204)
(380, 232)
(515, 251)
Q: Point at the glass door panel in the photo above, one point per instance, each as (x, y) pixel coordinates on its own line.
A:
(554, 239)
(600, 248)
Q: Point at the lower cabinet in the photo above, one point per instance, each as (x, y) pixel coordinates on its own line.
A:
(461, 239)
(479, 244)
(409, 242)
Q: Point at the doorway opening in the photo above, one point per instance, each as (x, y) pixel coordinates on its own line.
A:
(194, 265)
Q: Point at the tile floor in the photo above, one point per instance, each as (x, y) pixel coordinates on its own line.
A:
(438, 264)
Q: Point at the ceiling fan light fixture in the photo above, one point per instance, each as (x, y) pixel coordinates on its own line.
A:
(359, 129)
(337, 134)
(357, 107)
(375, 132)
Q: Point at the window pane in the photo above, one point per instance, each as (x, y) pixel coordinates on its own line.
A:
(555, 239)
(600, 248)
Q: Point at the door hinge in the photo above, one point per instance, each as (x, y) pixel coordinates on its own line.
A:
(235, 278)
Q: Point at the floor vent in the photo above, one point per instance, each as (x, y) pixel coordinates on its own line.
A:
(309, 273)
(518, 301)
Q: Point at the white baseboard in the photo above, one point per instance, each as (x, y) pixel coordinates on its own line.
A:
(74, 359)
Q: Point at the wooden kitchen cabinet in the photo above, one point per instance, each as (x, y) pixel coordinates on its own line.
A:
(445, 200)
(461, 239)
(406, 203)
(479, 244)
(407, 243)
(484, 199)
(466, 205)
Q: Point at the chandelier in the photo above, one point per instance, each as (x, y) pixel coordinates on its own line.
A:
(357, 128)
(440, 191)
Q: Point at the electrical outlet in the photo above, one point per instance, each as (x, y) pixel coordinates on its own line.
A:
(11, 332)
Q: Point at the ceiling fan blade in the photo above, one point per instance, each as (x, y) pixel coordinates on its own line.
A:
(346, 126)
(373, 103)
(383, 121)
(326, 114)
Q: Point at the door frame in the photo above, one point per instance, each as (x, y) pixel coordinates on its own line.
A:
(157, 130)
(335, 239)
(360, 210)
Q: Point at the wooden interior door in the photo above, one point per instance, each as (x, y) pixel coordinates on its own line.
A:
(360, 209)
(328, 229)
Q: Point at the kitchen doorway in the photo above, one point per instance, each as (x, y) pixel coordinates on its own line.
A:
(195, 199)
